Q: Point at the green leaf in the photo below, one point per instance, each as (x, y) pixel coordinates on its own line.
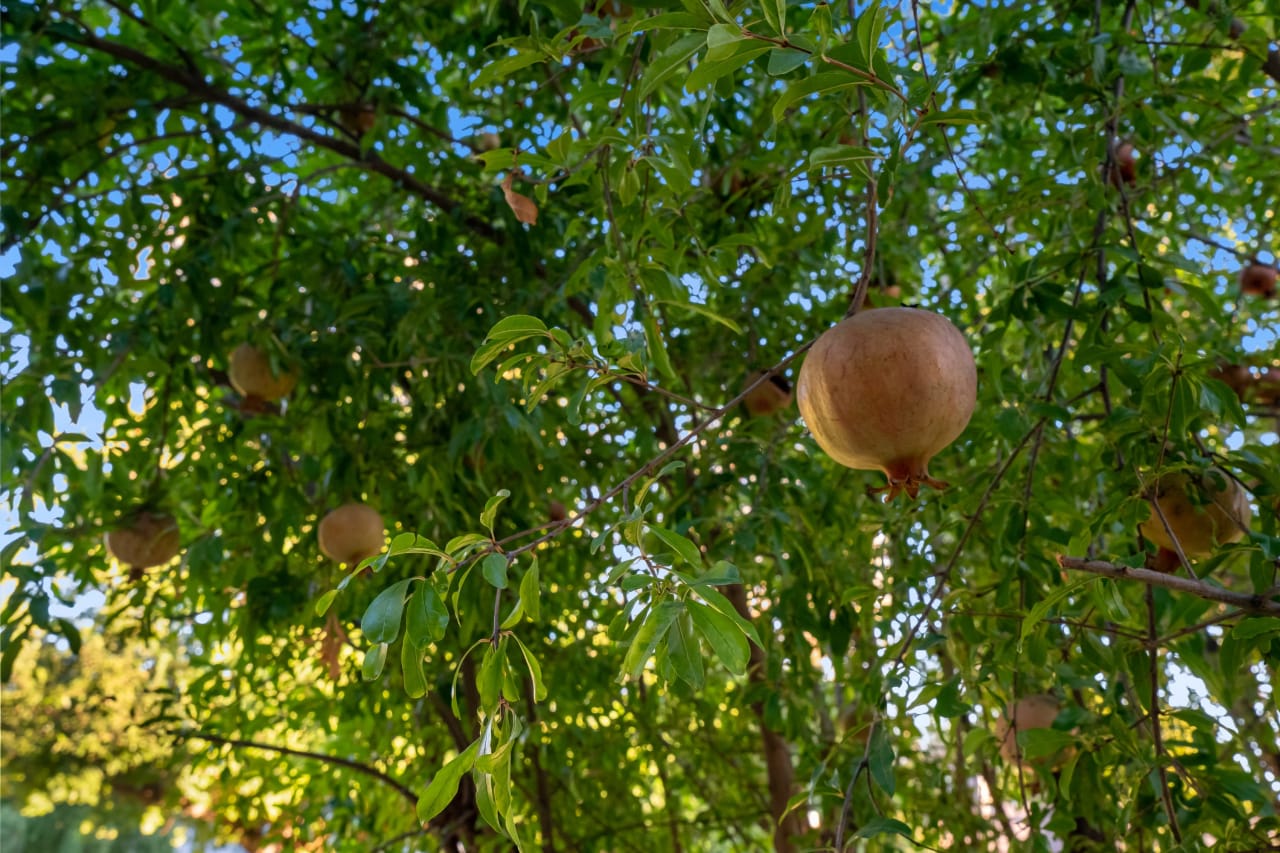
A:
(444, 785)
(684, 651)
(711, 69)
(531, 592)
(427, 617)
(870, 26)
(668, 62)
(827, 81)
(381, 622)
(458, 544)
(491, 508)
(494, 569)
(725, 638)
(880, 759)
(412, 543)
(721, 40)
(375, 657)
(489, 676)
(775, 15)
(843, 155)
(535, 670)
(656, 621)
(703, 311)
(784, 61)
(715, 599)
(683, 546)
(954, 117)
(1044, 605)
(415, 680)
(657, 347)
(1254, 627)
(501, 69)
(880, 825)
(325, 601)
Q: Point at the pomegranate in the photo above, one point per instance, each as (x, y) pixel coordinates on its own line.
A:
(887, 390)
(251, 375)
(351, 533)
(1258, 280)
(1124, 165)
(150, 539)
(557, 511)
(1030, 712)
(1217, 513)
(1235, 376)
(772, 395)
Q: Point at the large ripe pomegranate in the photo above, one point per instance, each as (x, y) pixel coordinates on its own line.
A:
(250, 373)
(150, 539)
(1203, 513)
(887, 390)
(351, 533)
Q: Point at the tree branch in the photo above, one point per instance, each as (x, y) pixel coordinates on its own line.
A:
(777, 756)
(1258, 603)
(372, 772)
(198, 85)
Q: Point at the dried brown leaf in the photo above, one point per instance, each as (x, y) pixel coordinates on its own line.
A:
(521, 205)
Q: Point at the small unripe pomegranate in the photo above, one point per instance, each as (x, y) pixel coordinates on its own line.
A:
(359, 119)
(150, 539)
(772, 395)
(1124, 165)
(1030, 712)
(1258, 280)
(250, 373)
(556, 511)
(351, 533)
(887, 390)
(1218, 514)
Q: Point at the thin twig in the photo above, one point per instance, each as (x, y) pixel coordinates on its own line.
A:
(365, 769)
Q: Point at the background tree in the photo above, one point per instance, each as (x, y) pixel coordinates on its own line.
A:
(520, 259)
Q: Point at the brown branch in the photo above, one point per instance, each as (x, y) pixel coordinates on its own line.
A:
(1264, 603)
(546, 817)
(1157, 737)
(777, 756)
(198, 85)
(365, 769)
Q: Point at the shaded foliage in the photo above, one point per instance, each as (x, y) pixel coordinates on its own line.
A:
(616, 612)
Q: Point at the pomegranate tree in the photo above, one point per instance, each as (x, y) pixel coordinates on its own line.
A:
(887, 390)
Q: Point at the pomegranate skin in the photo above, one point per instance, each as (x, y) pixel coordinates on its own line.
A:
(351, 532)
(1221, 516)
(887, 390)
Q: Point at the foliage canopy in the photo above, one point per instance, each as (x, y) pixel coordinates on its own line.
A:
(522, 258)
